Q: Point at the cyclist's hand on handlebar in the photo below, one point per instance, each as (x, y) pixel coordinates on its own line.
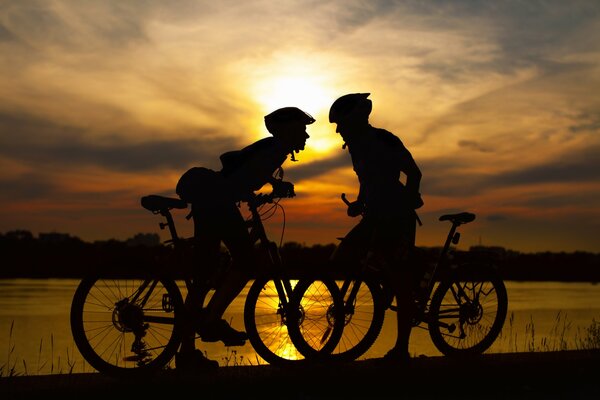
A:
(283, 189)
(355, 208)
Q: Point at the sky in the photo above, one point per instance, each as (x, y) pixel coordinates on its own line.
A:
(102, 102)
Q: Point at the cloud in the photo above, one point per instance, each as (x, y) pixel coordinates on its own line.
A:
(475, 145)
(496, 217)
(28, 186)
(582, 166)
(75, 26)
(446, 177)
(313, 170)
(494, 97)
(587, 122)
(41, 143)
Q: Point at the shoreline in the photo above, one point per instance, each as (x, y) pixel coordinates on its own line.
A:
(548, 375)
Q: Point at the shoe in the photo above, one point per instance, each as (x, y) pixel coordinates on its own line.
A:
(194, 360)
(397, 355)
(222, 331)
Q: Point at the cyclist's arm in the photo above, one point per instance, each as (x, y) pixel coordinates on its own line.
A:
(412, 171)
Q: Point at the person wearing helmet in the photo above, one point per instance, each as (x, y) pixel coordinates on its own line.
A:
(215, 197)
(385, 235)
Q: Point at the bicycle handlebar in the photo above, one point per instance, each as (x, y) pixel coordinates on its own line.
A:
(257, 200)
(345, 200)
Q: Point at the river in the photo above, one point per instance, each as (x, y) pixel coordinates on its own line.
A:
(35, 337)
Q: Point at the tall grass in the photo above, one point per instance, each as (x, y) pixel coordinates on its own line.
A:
(590, 338)
(8, 369)
(43, 367)
(557, 339)
(584, 339)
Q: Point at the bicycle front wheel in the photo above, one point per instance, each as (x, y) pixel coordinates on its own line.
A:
(467, 311)
(316, 318)
(363, 311)
(265, 319)
(124, 327)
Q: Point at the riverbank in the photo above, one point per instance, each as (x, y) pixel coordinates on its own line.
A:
(544, 375)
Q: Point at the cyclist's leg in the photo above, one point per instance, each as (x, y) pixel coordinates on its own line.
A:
(233, 231)
(206, 252)
(206, 255)
(365, 303)
(394, 238)
(353, 247)
(405, 311)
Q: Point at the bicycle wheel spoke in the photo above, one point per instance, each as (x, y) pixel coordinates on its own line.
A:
(116, 335)
(265, 322)
(466, 316)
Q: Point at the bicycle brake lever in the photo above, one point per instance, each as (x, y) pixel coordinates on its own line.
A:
(344, 199)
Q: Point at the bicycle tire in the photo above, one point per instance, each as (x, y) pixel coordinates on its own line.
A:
(480, 319)
(266, 326)
(318, 327)
(363, 321)
(103, 323)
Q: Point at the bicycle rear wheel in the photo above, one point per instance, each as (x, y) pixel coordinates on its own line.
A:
(124, 327)
(467, 311)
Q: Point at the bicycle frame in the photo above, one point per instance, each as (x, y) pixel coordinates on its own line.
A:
(129, 326)
(428, 281)
(473, 304)
(426, 285)
(258, 233)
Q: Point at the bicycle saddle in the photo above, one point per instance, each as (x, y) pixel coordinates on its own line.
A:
(157, 203)
(460, 218)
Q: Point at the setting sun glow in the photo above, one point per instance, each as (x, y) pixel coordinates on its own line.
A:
(290, 81)
(496, 102)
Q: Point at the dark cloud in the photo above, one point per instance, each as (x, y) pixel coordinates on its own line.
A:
(5, 34)
(475, 145)
(353, 15)
(29, 186)
(587, 122)
(84, 27)
(43, 143)
(129, 157)
(446, 177)
(315, 169)
(496, 217)
(502, 37)
(572, 198)
(443, 183)
(579, 167)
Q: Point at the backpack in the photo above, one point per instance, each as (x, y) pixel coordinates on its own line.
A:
(197, 183)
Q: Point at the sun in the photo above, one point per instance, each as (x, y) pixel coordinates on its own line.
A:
(289, 81)
(304, 92)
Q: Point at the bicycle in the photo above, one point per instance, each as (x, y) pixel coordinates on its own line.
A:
(133, 326)
(462, 303)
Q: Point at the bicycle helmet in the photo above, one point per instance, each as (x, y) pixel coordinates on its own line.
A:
(274, 120)
(349, 104)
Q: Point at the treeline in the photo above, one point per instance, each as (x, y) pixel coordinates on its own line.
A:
(58, 255)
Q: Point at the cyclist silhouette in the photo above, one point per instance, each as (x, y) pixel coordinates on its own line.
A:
(385, 235)
(215, 197)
